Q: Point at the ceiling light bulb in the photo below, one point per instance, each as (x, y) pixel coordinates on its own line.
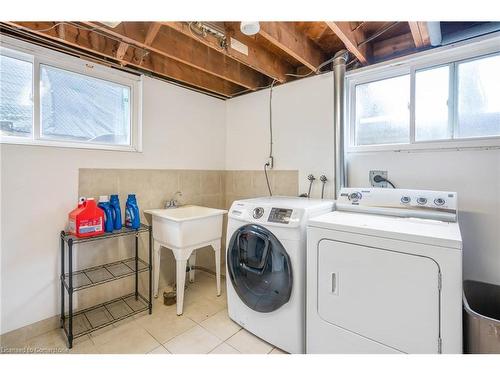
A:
(249, 28)
(112, 24)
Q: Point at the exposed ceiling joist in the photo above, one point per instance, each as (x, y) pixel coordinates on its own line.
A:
(135, 56)
(153, 30)
(352, 39)
(287, 38)
(177, 46)
(121, 51)
(254, 57)
(420, 34)
(392, 47)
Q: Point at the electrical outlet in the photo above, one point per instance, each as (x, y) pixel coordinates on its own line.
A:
(382, 184)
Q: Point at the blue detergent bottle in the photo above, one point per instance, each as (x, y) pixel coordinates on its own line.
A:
(108, 213)
(114, 202)
(132, 217)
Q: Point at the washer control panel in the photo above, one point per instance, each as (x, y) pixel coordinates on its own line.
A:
(262, 214)
(280, 215)
(401, 202)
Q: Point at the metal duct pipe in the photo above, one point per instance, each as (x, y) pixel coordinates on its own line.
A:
(434, 30)
(339, 64)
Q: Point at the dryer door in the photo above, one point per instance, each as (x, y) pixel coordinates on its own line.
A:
(259, 268)
(389, 297)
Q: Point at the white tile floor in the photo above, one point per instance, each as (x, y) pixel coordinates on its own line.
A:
(203, 328)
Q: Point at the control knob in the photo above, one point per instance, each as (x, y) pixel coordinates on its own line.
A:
(405, 199)
(422, 200)
(439, 201)
(355, 196)
(258, 212)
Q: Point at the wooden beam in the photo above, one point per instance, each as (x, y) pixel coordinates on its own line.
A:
(121, 51)
(352, 39)
(153, 30)
(392, 47)
(420, 34)
(252, 55)
(287, 38)
(134, 56)
(179, 47)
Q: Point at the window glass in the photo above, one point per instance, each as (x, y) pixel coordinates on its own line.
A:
(382, 111)
(80, 108)
(16, 97)
(431, 104)
(479, 98)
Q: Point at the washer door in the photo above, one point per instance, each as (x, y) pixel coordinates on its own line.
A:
(259, 268)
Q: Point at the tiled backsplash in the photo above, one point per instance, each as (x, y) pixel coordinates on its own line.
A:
(153, 187)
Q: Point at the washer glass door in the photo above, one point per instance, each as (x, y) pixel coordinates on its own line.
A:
(259, 268)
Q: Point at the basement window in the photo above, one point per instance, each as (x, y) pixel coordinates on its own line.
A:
(16, 96)
(52, 99)
(446, 98)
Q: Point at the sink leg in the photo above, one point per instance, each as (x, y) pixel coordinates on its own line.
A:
(156, 265)
(216, 246)
(192, 263)
(181, 282)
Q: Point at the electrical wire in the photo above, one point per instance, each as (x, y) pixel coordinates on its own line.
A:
(378, 178)
(270, 161)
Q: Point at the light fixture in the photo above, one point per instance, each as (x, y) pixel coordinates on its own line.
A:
(249, 28)
(111, 24)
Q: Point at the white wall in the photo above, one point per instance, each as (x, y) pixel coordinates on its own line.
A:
(182, 129)
(473, 174)
(303, 130)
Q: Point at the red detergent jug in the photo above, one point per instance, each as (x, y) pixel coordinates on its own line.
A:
(87, 220)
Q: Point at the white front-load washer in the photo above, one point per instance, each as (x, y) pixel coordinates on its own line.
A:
(266, 264)
(384, 274)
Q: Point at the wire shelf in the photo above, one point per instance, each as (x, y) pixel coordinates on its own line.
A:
(104, 273)
(116, 233)
(104, 314)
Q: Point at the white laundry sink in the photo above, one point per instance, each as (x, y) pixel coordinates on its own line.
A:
(183, 230)
(186, 226)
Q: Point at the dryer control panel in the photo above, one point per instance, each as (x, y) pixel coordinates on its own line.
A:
(426, 204)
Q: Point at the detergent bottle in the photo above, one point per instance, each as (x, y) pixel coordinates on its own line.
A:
(108, 217)
(114, 202)
(132, 218)
(87, 219)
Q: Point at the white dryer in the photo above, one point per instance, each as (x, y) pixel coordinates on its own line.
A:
(265, 267)
(384, 274)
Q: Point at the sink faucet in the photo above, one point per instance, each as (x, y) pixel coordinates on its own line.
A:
(173, 203)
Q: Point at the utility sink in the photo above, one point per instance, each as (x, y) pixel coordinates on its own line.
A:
(183, 230)
(186, 226)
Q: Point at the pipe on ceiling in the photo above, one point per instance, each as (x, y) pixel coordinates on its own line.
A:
(434, 30)
(339, 66)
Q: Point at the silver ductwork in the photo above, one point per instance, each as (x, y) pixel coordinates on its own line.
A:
(339, 65)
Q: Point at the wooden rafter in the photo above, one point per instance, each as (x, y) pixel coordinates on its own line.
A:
(177, 46)
(352, 39)
(153, 30)
(392, 47)
(287, 38)
(420, 34)
(121, 51)
(135, 56)
(256, 57)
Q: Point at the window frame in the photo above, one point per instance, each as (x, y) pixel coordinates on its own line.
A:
(39, 55)
(451, 55)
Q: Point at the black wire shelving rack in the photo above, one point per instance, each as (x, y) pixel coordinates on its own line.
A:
(82, 322)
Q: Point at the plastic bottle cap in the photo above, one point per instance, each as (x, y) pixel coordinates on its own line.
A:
(103, 198)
